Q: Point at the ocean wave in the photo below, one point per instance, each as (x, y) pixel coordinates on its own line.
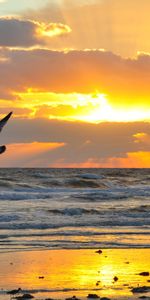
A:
(73, 232)
(42, 175)
(67, 244)
(17, 196)
(101, 195)
(77, 194)
(58, 290)
(90, 176)
(8, 218)
(82, 183)
(141, 208)
(73, 211)
(111, 221)
(6, 184)
(77, 211)
(72, 208)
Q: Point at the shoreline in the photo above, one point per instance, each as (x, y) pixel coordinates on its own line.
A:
(61, 274)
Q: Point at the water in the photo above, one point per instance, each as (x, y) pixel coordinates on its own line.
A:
(74, 208)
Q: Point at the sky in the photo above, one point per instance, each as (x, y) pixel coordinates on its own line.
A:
(76, 75)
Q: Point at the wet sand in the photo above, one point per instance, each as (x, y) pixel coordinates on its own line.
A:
(60, 274)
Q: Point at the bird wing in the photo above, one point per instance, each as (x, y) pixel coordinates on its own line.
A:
(2, 124)
(4, 120)
(2, 149)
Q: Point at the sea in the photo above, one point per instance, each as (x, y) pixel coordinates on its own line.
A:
(74, 208)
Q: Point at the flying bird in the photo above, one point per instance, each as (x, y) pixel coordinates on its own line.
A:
(14, 292)
(2, 124)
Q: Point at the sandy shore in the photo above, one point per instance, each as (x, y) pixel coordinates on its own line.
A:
(60, 274)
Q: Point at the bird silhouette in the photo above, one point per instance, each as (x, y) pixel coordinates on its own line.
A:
(2, 124)
(14, 292)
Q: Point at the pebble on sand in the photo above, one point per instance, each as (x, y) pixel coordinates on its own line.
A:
(14, 292)
(25, 296)
(72, 298)
(99, 251)
(144, 273)
(115, 278)
(141, 289)
(93, 296)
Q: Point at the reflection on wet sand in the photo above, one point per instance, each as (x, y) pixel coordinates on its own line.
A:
(63, 273)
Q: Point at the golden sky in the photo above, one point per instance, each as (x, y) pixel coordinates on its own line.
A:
(76, 76)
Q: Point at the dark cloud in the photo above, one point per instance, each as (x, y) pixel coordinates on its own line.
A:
(26, 33)
(17, 33)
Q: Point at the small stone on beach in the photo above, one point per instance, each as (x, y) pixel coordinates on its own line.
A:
(141, 289)
(25, 296)
(93, 296)
(72, 298)
(99, 251)
(14, 292)
(144, 273)
(115, 278)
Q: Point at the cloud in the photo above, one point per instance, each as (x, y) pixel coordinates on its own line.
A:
(54, 29)
(59, 144)
(26, 33)
(122, 27)
(142, 138)
(19, 112)
(132, 160)
(28, 154)
(78, 71)
(101, 145)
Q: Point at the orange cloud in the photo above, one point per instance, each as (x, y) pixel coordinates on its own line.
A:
(76, 144)
(132, 160)
(140, 159)
(120, 26)
(27, 154)
(142, 137)
(52, 29)
(81, 72)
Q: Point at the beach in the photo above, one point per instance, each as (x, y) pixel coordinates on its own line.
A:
(61, 274)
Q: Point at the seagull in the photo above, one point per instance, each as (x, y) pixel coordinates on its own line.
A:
(14, 292)
(2, 124)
